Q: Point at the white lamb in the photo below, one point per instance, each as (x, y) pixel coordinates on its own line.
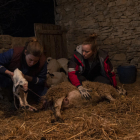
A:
(20, 89)
(56, 71)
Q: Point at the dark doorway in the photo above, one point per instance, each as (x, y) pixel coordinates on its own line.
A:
(17, 17)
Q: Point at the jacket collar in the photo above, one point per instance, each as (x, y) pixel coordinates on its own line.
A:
(79, 49)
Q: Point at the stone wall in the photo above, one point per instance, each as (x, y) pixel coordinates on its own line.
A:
(117, 23)
(7, 42)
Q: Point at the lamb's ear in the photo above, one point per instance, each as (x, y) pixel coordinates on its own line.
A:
(14, 90)
(16, 82)
(52, 75)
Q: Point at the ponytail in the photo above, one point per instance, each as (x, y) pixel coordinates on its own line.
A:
(33, 47)
(92, 41)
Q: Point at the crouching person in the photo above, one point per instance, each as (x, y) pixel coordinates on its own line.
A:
(31, 62)
(90, 63)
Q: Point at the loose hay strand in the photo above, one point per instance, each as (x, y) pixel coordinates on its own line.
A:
(77, 134)
(50, 129)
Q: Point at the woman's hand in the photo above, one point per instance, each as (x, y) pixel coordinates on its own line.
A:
(11, 74)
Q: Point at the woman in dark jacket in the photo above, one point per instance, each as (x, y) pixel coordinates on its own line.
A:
(31, 61)
(90, 63)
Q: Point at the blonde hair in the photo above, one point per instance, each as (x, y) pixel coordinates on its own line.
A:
(92, 41)
(33, 47)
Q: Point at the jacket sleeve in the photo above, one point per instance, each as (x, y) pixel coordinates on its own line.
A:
(41, 77)
(72, 67)
(110, 72)
(5, 59)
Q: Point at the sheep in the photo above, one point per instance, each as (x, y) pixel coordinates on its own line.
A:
(56, 71)
(56, 65)
(66, 95)
(20, 90)
(55, 78)
(53, 66)
(63, 62)
(48, 59)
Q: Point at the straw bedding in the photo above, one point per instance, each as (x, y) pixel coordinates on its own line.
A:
(119, 120)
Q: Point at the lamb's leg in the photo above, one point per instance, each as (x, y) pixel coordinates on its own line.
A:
(21, 102)
(109, 97)
(57, 107)
(29, 107)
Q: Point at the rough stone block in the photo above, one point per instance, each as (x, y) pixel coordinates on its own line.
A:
(111, 4)
(115, 40)
(107, 30)
(135, 23)
(125, 20)
(68, 7)
(104, 24)
(136, 42)
(127, 42)
(121, 2)
(58, 17)
(134, 61)
(107, 41)
(100, 18)
(84, 24)
(120, 57)
(128, 13)
(100, 7)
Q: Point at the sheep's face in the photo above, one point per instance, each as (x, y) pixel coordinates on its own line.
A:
(48, 59)
(121, 90)
(24, 85)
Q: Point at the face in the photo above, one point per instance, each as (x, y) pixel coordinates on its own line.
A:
(86, 51)
(31, 60)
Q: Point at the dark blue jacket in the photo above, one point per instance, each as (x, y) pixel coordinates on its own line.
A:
(5, 59)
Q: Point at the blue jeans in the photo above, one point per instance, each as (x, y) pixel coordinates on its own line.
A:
(6, 81)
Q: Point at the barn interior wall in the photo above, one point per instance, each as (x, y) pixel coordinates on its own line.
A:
(116, 22)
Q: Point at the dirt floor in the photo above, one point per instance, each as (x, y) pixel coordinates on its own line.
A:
(105, 121)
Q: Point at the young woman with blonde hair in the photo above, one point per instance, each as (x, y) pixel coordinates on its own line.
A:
(90, 63)
(30, 60)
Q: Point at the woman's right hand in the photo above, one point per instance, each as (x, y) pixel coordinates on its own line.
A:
(11, 74)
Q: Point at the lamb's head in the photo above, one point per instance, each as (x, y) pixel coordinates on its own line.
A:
(19, 80)
(121, 90)
(49, 59)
